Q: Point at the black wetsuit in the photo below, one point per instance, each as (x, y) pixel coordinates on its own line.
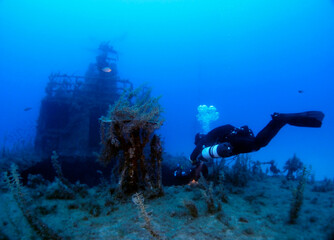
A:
(241, 140)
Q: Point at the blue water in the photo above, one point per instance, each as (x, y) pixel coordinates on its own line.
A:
(248, 58)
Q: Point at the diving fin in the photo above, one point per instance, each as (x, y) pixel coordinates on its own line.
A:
(303, 119)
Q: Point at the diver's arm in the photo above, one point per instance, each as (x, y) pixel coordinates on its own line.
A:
(196, 152)
(215, 135)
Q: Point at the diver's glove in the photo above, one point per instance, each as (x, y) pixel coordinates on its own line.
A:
(217, 151)
(200, 158)
(196, 160)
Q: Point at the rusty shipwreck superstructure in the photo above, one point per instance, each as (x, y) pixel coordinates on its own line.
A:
(69, 114)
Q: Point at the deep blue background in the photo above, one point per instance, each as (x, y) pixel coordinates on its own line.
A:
(249, 58)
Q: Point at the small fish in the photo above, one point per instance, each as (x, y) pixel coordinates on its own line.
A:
(106, 69)
(300, 91)
(27, 109)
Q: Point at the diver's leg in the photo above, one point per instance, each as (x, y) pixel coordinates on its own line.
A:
(268, 132)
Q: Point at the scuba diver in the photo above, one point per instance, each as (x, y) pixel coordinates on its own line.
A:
(227, 140)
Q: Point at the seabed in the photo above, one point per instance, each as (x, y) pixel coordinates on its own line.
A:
(259, 210)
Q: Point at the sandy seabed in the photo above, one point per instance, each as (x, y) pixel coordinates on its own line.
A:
(258, 211)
